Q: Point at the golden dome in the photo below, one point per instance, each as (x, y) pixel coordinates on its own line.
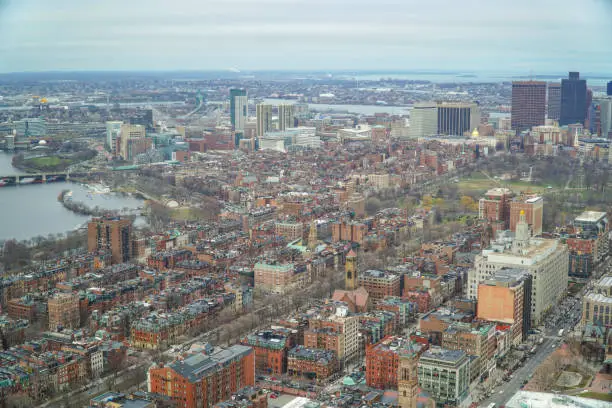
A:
(475, 133)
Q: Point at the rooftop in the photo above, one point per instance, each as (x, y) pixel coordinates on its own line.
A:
(199, 365)
(441, 354)
(590, 216)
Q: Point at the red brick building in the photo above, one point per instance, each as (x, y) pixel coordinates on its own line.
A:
(204, 379)
(383, 360)
(270, 348)
(311, 363)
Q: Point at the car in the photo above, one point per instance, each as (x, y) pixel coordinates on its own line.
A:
(501, 392)
(273, 396)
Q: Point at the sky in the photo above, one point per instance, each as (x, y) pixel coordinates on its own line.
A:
(522, 36)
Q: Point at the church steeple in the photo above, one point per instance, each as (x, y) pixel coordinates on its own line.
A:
(350, 271)
(521, 237)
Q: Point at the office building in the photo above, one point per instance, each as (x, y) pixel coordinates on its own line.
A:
(587, 243)
(204, 378)
(239, 107)
(112, 234)
(64, 311)
(545, 259)
(554, 101)
(494, 207)
(342, 333)
(506, 298)
(573, 100)
(445, 375)
(264, 119)
(31, 127)
(528, 104)
(474, 340)
(423, 120)
(457, 118)
(142, 117)
(131, 137)
(604, 116)
(298, 138)
(383, 360)
(113, 130)
(285, 117)
(533, 208)
(609, 89)
(597, 304)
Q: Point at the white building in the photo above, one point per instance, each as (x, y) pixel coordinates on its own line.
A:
(545, 259)
(423, 120)
(97, 363)
(291, 138)
(356, 134)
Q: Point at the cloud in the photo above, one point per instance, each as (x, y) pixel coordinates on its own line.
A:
(307, 34)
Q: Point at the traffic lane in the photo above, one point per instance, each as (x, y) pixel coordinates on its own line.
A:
(514, 384)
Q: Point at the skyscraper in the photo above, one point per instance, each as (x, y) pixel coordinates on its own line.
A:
(423, 120)
(285, 116)
(604, 106)
(112, 234)
(573, 100)
(264, 118)
(554, 101)
(238, 109)
(456, 118)
(609, 88)
(528, 104)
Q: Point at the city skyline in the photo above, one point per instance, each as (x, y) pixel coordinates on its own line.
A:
(71, 35)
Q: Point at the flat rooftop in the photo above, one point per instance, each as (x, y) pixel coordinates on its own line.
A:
(590, 216)
(529, 399)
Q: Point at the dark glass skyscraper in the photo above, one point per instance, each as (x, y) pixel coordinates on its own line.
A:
(573, 100)
(528, 104)
(610, 88)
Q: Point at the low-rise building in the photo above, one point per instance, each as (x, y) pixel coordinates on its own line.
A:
(383, 360)
(314, 364)
(380, 284)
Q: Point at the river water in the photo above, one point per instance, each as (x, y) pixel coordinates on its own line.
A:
(31, 210)
(357, 109)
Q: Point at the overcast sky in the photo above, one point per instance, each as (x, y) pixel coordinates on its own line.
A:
(546, 36)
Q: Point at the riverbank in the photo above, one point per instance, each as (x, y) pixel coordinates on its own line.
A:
(45, 163)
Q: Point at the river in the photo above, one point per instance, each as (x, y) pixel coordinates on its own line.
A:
(31, 210)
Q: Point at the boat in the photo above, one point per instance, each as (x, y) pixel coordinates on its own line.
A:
(27, 180)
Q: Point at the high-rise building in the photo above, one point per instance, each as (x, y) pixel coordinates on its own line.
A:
(554, 101)
(350, 269)
(112, 234)
(264, 118)
(285, 117)
(457, 118)
(545, 259)
(528, 104)
(494, 207)
(604, 108)
(609, 90)
(533, 208)
(113, 130)
(423, 120)
(64, 311)
(204, 378)
(128, 134)
(239, 106)
(506, 298)
(573, 100)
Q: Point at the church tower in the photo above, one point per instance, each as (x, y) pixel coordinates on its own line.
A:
(350, 271)
(312, 236)
(522, 234)
(407, 384)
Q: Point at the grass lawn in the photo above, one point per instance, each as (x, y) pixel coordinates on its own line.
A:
(481, 183)
(596, 395)
(46, 161)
